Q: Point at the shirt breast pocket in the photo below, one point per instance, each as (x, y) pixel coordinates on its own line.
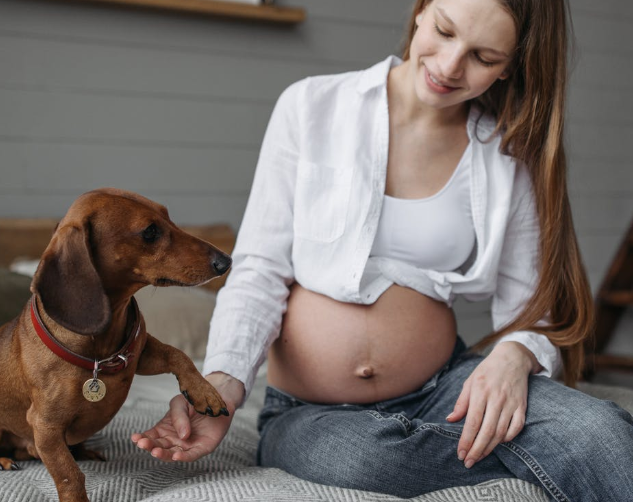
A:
(321, 201)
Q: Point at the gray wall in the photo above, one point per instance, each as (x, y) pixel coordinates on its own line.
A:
(175, 106)
(600, 136)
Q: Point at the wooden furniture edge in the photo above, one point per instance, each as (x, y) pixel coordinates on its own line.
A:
(227, 9)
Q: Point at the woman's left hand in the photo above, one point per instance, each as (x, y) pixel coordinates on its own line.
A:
(494, 401)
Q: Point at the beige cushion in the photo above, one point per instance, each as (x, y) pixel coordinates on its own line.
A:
(178, 316)
(14, 293)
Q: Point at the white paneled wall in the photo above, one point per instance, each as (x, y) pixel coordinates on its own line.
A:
(175, 107)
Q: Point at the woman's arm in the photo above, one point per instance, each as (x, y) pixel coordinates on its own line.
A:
(249, 308)
(518, 275)
(494, 397)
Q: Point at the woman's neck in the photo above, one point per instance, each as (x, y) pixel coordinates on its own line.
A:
(406, 108)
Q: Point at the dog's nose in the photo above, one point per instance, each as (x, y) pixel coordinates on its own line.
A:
(222, 263)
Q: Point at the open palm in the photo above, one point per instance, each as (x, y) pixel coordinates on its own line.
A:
(183, 434)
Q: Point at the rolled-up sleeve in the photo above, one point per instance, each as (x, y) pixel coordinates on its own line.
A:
(518, 275)
(248, 313)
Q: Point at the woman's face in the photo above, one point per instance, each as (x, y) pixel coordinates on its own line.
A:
(460, 48)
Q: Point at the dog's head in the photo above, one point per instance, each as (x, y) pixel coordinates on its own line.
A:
(110, 244)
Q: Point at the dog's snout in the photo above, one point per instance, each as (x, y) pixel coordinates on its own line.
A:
(221, 263)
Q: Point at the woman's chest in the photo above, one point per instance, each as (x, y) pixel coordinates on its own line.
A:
(420, 164)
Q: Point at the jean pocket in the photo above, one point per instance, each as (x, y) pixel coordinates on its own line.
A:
(321, 201)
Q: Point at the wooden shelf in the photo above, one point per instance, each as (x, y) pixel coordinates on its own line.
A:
(266, 13)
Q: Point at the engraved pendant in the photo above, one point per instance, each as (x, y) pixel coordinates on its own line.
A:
(94, 390)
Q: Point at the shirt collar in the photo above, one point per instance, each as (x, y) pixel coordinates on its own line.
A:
(376, 76)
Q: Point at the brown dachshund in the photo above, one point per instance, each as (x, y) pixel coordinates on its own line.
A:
(67, 362)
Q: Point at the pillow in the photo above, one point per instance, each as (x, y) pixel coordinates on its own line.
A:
(178, 316)
(14, 293)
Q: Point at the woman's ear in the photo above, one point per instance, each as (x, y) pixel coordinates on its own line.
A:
(418, 19)
(505, 74)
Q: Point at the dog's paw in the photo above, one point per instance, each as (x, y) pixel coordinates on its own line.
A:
(206, 400)
(6, 464)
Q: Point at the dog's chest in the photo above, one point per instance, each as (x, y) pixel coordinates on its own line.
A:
(90, 417)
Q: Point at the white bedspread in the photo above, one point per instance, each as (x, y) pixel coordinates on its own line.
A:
(230, 473)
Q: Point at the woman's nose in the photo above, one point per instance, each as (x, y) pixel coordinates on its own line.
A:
(452, 64)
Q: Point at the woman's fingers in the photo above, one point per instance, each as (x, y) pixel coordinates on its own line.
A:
(472, 425)
(485, 433)
(137, 436)
(516, 424)
(179, 409)
(174, 426)
(190, 455)
(503, 424)
(164, 454)
(461, 405)
(501, 421)
(150, 444)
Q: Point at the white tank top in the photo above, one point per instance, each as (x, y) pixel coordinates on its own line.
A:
(435, 233)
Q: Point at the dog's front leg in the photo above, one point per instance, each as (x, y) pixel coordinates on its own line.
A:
(52, 449)
(158, 357)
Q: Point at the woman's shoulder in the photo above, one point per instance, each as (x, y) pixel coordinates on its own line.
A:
(483, 132)
(317, 88)
(488, 141)
(482, 127)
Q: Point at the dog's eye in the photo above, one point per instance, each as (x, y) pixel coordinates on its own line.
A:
(151, 233)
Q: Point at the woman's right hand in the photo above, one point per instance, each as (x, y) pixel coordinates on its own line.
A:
(183, 434)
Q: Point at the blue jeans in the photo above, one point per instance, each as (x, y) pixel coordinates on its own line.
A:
(574, 446)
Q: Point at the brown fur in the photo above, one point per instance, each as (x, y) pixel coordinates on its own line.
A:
(100, 254)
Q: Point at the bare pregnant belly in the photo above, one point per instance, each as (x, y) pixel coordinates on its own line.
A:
(334, 352)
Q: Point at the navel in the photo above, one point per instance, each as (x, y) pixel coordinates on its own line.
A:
(364, 372)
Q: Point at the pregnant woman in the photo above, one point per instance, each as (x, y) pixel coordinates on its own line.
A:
(379, 197)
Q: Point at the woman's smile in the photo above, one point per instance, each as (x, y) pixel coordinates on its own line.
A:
(436, 85)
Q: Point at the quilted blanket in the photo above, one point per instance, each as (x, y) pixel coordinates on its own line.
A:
(229, 474)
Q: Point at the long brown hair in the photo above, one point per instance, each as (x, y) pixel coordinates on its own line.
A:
(529, 108)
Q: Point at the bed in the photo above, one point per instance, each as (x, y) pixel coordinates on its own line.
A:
(180, 316)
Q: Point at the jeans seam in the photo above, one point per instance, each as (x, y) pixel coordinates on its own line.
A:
(437, 429)
(538, 471)
(398, 417)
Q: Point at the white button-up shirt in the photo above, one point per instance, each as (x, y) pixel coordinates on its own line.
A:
(313, 213)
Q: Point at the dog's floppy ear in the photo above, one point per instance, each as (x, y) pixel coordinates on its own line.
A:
(68, 283)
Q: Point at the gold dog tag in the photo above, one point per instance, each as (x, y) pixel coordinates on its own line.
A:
(94, 390)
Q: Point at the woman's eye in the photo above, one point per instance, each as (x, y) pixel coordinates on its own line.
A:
(151, 233)
(483, 61)
(442, 33)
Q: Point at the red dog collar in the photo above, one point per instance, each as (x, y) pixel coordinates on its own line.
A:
(112, 364)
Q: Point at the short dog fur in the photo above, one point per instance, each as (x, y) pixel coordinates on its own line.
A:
(110, 244)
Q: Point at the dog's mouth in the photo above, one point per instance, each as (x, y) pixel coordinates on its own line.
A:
(164, 281)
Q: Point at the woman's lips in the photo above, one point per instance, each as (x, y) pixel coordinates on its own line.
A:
(436, 85)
